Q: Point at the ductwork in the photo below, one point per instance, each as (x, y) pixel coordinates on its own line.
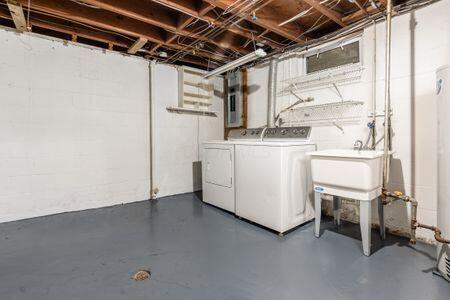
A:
(272, 92)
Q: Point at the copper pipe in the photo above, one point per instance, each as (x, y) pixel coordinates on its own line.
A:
(437, 232)
(414, 224)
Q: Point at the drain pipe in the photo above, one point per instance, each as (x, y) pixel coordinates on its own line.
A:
(272, 92)
(153, 190)
(387, 96)
(374, 88)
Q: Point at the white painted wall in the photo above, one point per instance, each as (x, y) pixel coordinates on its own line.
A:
(178, 137)
(416, 54)
(74, 128)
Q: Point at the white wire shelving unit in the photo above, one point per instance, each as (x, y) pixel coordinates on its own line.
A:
(334, 113)
(337, 76)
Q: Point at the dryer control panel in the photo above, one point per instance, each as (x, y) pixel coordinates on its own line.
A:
(245, 134)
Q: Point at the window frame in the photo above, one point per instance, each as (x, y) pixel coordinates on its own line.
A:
(331, 46)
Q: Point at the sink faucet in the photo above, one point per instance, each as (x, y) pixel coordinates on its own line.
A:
(358, 145)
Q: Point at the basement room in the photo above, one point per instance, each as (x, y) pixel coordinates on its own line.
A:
(224, 149)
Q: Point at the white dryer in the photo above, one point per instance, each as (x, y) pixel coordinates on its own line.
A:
(218, 168)
(273, 181)
(218, 174)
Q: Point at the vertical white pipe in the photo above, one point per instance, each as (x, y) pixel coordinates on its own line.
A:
(272, 92)
(387, 96)
(151, 98)
(374, 86)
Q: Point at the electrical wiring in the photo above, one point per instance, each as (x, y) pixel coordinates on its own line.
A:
(346, 31)
(80, 2)
(72, 21)
(28, 17)
(232, 6)
(214, 31)
(206, 36)
(230, 20)
(307, 13)
(199, 34)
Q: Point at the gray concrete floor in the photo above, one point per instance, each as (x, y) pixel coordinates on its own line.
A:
(196, 251)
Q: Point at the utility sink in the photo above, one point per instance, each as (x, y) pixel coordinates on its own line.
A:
(354, 174)
(348, 173)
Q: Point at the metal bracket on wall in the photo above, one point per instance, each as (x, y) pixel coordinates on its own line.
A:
(191, 111)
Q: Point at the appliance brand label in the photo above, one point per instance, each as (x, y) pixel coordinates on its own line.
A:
(319, 189)
(439, 83)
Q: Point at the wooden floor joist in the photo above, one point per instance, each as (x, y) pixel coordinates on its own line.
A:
(199, 31)
(329, 13)
(140, 42)
(17, 14)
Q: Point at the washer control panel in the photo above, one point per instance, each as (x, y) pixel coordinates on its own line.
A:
(276, 133)
(301, 133)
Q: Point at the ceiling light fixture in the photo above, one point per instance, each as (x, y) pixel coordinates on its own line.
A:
(236, 63)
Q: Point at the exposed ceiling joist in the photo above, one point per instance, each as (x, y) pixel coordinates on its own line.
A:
(360, 5)
(265, 20)
(329, 13)
(358, 15)
(109, 39)
(383, 3)
(102, 37)
(147, 12)
(17, 14)
(97, 18)
(140, 42)
(202, 31)
(202, 15)
(156, 15)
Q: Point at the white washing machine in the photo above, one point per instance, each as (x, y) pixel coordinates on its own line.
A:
(273, 181)
(218, 168)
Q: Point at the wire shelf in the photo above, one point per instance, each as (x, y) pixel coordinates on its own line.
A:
(345, 74)
(191, 111)
(335, 113)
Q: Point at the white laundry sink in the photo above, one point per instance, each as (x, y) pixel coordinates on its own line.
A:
(348, 173)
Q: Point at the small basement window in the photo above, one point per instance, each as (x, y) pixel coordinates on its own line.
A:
(335, 57)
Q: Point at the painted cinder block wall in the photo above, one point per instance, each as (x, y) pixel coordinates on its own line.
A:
(75, 126)
(178, 137)
(420, 44)
(73, 130)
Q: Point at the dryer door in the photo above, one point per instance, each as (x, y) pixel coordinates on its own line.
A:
(218, 168)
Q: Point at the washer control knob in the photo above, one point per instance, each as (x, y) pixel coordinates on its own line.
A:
(244, 132)
(303, 132)
(284, 131)
(295, 131)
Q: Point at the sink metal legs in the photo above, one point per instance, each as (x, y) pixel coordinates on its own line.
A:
(365, 222)
(318, 213)
(381, 218)
(337, 210)
(365, 218)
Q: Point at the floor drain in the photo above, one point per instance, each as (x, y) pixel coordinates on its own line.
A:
(142, 275)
